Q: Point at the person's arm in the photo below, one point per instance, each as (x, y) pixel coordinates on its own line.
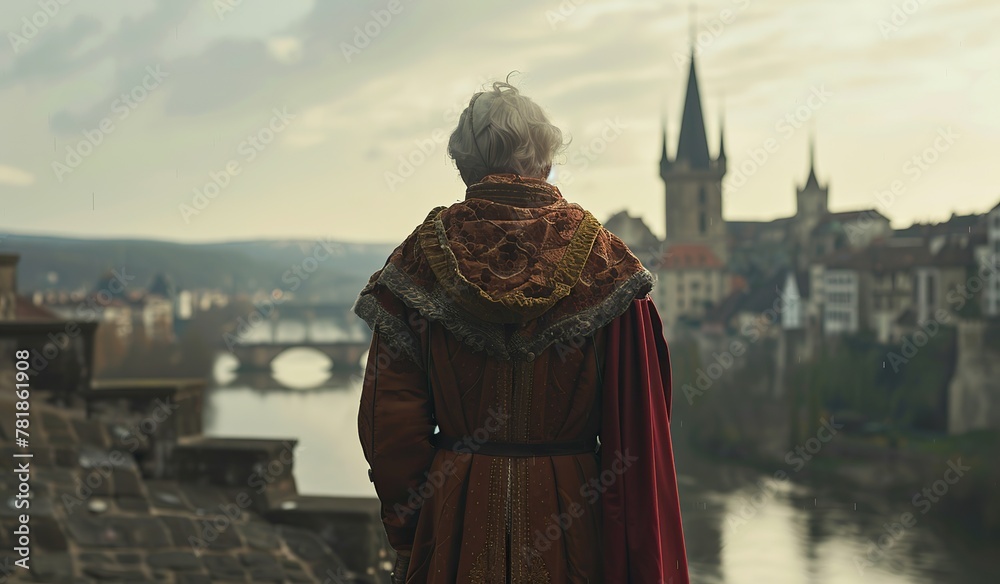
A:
(395, 423)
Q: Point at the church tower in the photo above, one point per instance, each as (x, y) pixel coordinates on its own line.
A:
(693, 180)
(810, 201)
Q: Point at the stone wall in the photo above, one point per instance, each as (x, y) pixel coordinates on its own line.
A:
(224, 510)
(8, 285)
(974, 392)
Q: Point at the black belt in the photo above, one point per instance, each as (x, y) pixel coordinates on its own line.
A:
(493, 448)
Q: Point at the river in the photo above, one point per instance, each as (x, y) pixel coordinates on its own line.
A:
(741, 526)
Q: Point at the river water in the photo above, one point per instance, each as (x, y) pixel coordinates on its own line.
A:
(741, 526)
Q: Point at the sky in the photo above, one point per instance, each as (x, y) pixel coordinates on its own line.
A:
(217, 120)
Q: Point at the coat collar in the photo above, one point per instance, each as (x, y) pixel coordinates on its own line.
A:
(514, 190)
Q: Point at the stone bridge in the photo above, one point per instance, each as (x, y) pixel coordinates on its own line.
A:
(339, 315)
(344, 355)
(293, 311)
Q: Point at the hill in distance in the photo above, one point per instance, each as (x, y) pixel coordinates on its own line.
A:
(62, 263)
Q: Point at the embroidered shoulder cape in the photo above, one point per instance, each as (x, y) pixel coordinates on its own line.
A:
(510, 270)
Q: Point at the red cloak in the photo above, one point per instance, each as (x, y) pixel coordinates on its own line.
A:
(643, 538)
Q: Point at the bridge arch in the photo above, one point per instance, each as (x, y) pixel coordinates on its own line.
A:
(343, 355)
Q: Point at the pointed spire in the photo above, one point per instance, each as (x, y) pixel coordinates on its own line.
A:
(812, 182)
(664, 156)
(722, 136)
(693, 143)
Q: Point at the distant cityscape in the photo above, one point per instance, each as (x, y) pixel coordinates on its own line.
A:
(820, 272)
(837, 273)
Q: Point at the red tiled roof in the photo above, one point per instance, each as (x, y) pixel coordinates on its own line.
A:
(28, 310)
(690, 256)
(855, 215)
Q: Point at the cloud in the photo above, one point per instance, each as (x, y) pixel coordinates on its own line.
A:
(54, 54)
(285, 49)
(356, 117)
(228, 73)
(10, 175)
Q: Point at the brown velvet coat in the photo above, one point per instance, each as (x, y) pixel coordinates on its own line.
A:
(490, 324)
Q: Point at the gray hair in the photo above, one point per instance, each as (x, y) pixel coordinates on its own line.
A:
(512, 134)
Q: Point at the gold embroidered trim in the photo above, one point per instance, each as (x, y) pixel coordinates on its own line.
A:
(527, 564)
(508, 537)
(513, 306)
(488, 567)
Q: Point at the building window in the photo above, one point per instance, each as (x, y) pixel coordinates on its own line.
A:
(702, 223)
(701, 195)
(931, 285)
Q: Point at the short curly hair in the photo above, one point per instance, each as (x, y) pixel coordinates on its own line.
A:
(512, 134)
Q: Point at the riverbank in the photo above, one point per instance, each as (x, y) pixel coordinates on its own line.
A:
(949, 480)
(841, 419)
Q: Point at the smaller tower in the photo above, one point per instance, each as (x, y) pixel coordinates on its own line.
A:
(810, 200)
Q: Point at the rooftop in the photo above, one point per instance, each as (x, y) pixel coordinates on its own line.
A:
(879, 258)
(694, 256)
(28, 310)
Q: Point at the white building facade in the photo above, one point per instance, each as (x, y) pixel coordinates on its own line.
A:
(841, 301)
